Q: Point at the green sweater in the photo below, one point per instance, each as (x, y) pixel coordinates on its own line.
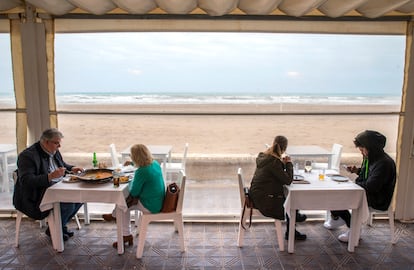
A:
(148, 186)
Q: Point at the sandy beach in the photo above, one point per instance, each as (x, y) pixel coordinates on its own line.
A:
(236, 137)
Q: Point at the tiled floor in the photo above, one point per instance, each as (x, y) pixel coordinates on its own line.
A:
(208, 246)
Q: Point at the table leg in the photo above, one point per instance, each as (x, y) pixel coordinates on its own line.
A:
(119, 224)
(164, 167)
(291, 241)
(5, 175)
(354, 230)
(55, 227)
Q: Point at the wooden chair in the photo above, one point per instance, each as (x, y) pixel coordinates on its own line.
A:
(176, 217)
(256, 213)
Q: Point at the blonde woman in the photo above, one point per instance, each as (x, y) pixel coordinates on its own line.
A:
(147, 187)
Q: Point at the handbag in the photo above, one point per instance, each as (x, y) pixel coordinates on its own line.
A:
(130, 201)
(248, 204)
(171, 198)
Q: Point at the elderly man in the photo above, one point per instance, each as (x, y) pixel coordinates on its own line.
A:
(40, 166)
(377, 176)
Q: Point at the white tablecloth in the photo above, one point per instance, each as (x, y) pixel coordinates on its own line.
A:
(327, 195)
(82, 192)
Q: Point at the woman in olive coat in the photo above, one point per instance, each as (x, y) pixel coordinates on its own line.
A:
(267, 187)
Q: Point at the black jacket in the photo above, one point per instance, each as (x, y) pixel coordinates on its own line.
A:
(32, 181)
(266, 188)
(379, 180)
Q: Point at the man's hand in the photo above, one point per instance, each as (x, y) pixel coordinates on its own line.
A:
(59, 172)
(77, 169)
(351, 169)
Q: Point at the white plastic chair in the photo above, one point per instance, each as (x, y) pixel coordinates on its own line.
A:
(255, 213)
(114, 155)
(390, 214)
(10, 168)
(335, 159)
(176, 217)
(176, 167)
(19, 216)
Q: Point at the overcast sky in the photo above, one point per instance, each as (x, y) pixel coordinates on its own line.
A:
(223, 62)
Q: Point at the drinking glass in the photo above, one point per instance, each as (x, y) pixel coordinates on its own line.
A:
(308, 166)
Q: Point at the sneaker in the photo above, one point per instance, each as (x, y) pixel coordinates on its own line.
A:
(334, 222)
(344, 237)
(298, 235)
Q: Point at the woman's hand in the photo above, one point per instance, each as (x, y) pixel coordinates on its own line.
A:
(287, 159)
(127, 163)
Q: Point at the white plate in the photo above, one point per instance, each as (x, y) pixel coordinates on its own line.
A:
(128, 169)
(340, 178)
(68, 179)
(298, 177)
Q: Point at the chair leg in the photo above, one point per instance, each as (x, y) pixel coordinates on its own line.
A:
(77, 222)
(279, 235)
(241, 231)
(392, 228)
(370, 219)
(19, 216)
(141, 237)
(86, 214)
(179, 226)
(136, 218)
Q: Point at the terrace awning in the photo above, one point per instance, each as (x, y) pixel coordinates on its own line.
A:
(294, 8)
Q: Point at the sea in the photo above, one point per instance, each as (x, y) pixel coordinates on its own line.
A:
(212, 98)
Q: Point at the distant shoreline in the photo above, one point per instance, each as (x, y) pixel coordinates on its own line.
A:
(227, 108)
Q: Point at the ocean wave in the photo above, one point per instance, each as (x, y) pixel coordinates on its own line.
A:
(153, 99)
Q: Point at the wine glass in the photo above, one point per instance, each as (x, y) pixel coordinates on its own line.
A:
(308, 166)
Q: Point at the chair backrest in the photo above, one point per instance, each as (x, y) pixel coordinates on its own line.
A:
(241, 186)
(336, 156)
(183, 161)
(180, 202)
(114, 155)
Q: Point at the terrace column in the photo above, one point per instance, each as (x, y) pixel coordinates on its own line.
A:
(33, 73)
(404, 210)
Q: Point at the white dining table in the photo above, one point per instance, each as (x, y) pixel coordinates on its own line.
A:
(309, 151)
(159, 152)
(81, 192)
(5, 150)
(327, 195)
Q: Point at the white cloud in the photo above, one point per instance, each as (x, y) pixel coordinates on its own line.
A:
(134, 71)
(293, 74)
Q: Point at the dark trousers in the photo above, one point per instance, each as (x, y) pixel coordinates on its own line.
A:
(344, 214)
(68, 211)
(288, 221)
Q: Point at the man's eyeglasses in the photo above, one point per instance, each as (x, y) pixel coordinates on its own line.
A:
(55, 142)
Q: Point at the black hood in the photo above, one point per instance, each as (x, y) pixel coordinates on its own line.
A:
(372, 140)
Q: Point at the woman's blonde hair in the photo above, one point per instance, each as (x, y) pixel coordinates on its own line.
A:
(279, 146)
(140, 155)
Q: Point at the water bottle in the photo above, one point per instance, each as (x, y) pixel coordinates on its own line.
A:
(94, 160)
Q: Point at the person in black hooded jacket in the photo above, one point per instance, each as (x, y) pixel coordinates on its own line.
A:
(377, 175)
(267, 186)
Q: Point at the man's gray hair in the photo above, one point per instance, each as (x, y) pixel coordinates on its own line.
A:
(50, 134)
